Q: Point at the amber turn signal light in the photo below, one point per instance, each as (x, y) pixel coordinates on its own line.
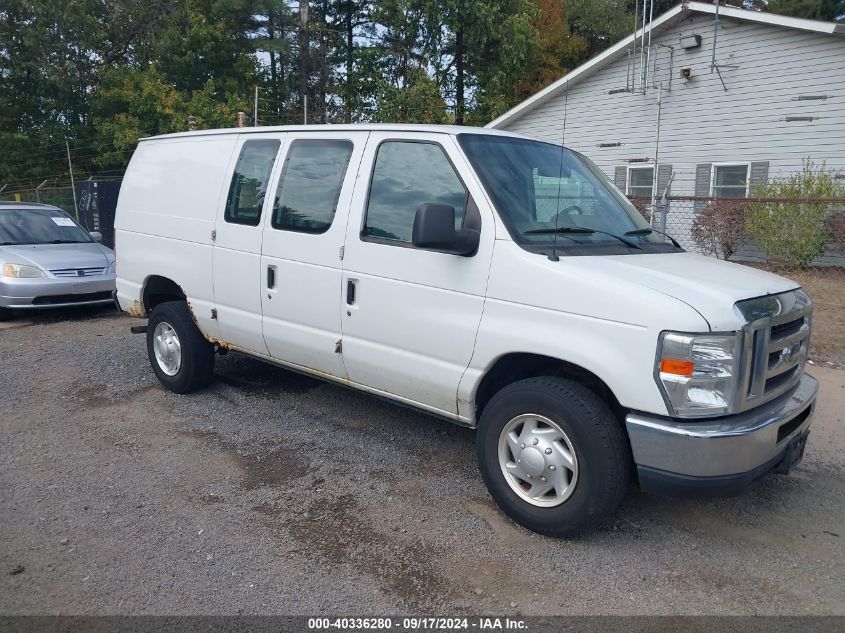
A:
(677, 367)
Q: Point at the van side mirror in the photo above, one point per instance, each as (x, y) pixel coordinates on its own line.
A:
(96, 236)
(434, 228)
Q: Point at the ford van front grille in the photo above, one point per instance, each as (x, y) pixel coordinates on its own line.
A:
(776, 341)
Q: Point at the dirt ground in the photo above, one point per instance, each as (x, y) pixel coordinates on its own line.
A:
(826, 287)
(270, 492)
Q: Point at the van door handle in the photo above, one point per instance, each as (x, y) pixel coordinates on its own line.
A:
(271, 277)
(350, 291)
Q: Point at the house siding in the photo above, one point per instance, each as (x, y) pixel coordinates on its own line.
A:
(700, 123)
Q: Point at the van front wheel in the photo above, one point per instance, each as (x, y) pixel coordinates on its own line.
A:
(181, 358)
(553, 455)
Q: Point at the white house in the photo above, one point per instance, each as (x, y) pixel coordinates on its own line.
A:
(724, 98)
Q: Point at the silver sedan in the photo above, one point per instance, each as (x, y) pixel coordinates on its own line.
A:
(47, 260)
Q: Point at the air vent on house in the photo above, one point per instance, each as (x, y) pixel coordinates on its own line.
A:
(690, 41)
(639, 160)
(616, 144)
(616, 91)
(795, 119)
(809, 98)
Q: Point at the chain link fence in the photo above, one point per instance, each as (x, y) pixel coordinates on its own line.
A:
(787, 232)
(58, 196)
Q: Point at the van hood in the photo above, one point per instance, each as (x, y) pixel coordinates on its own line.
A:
(55, 256)
(710, 286)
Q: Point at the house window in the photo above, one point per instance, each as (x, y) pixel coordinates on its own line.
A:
(640, 181)
(730, 181)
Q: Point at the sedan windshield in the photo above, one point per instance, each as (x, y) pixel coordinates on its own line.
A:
(39, 226)
(552, 197)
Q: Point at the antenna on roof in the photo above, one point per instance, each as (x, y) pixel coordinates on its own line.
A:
(714, 65)
(640, 45)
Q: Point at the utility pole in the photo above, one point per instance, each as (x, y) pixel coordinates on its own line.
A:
(72, 183)
(255, 109)
(303, 56)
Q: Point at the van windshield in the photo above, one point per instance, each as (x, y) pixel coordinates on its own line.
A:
(550, 196)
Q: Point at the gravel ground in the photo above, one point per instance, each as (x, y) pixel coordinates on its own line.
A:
(270, 492)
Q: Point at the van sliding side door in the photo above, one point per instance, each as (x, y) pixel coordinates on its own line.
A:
(304, 232)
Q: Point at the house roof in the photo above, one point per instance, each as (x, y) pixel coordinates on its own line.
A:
(668, 19)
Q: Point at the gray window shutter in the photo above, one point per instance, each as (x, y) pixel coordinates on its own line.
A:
(702, 183)
(620, 178)
(664, 173)
(759, 176)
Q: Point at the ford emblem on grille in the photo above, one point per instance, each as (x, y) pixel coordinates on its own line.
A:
(790, 353)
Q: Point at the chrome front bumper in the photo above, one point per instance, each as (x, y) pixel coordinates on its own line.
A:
(49, 292)
(723, 454)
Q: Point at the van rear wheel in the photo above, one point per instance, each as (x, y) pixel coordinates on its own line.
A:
(553, 455)
(181, 358)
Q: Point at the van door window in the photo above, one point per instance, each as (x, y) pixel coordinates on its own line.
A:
(407, 174)
(306, 198)
(249, 182)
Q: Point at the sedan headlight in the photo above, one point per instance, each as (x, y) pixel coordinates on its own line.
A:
(112, 268)
(697, 373)
(21, 271)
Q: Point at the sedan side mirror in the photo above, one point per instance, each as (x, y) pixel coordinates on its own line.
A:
(434, 228)
(96, 236)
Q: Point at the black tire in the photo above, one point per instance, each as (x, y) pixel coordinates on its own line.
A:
(5, 314)
(598, 440)
(197, 354)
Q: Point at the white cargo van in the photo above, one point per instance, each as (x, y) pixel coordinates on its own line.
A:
(497, 281)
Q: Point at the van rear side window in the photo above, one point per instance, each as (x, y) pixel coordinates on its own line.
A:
(306, 198)
(249, 182)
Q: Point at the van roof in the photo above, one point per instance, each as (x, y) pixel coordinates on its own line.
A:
(355, 127)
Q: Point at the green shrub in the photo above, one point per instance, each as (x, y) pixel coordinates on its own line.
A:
(793, 233)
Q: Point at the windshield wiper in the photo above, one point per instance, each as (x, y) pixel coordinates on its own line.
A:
(649, 231)
(66, 242)
(580, 230)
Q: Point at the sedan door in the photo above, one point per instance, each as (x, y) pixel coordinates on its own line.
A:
(410, 315)
(303, 246)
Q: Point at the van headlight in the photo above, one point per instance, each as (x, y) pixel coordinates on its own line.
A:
(697, 373)
(21, 271)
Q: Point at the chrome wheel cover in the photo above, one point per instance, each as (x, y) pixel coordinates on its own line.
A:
(538, 460)
(167, 349)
